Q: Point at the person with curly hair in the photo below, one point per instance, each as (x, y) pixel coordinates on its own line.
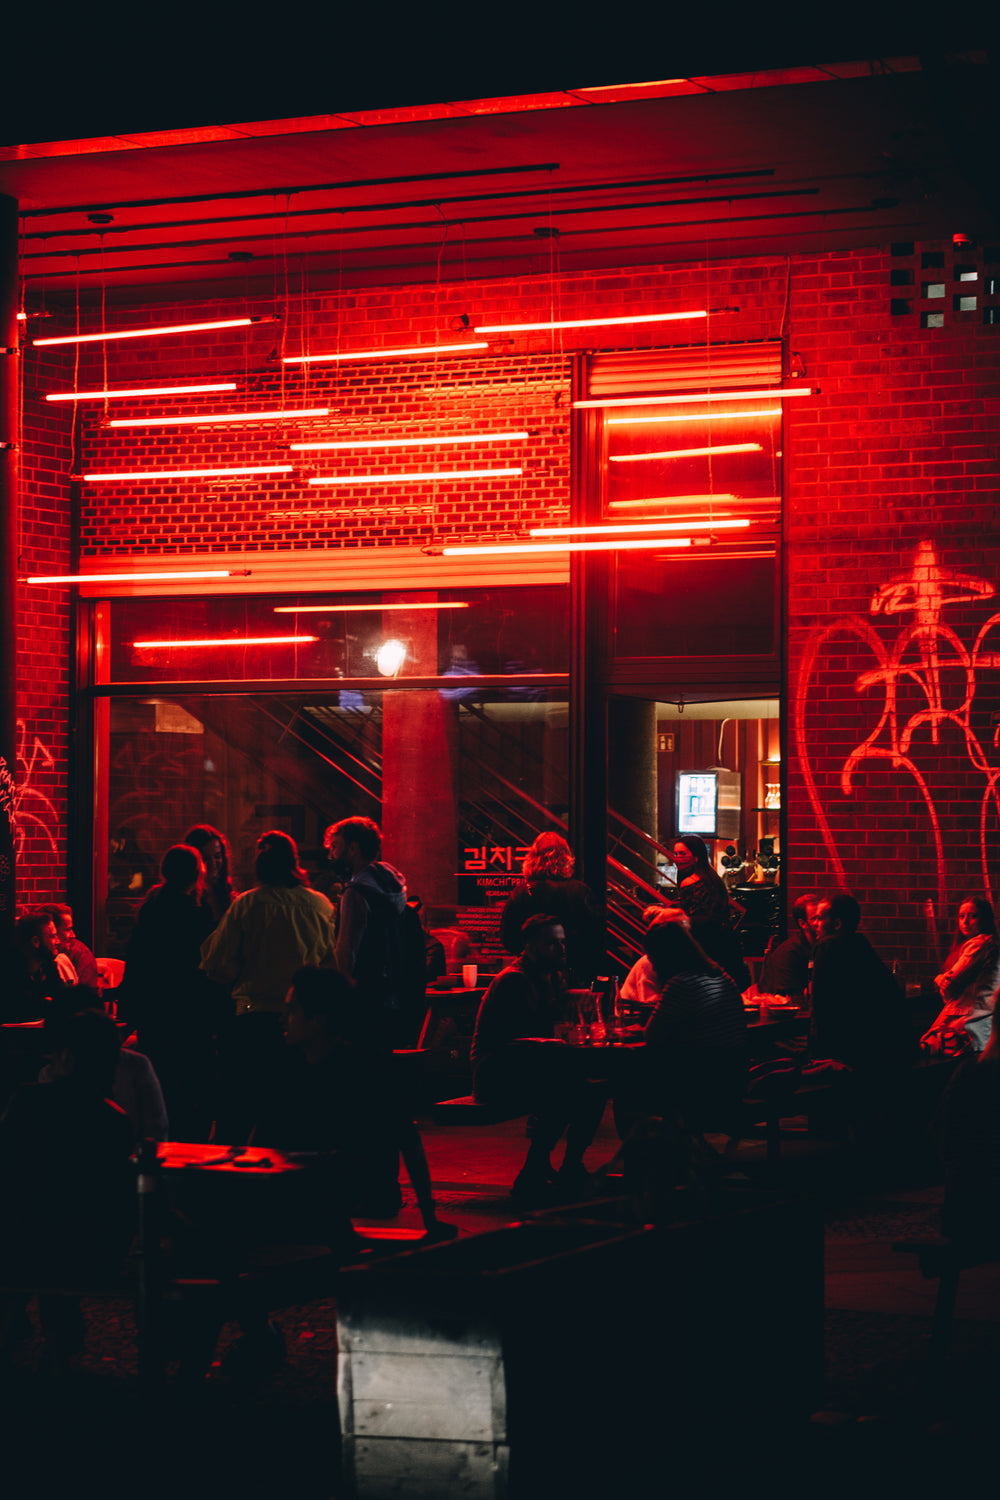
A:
(549, 887)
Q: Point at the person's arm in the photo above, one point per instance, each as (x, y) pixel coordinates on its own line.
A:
(221, 952)
(970, 960)
(353, 921)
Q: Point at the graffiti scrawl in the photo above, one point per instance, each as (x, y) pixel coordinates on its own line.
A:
(32, 811)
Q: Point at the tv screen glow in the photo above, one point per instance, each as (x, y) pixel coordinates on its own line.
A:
(696, 802)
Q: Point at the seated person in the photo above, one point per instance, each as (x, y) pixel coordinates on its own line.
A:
(84, 964)
(516, 1061)
(135, 1087)
(337, 1096)
(968, 983)
(858, 1016)
(696, 1053)
(34, 977)
(969, 1132)
(640, 986)
(786, 965)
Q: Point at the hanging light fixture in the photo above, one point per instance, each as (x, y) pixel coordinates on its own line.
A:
(418, 351)
(588, 322)
(186, 473)
(229, 640)
(149, 390)
(635, 458)
(223, 418)
(347, 609)
(642, 529)
(631, 545)
(411, 478)
(412, 442)
(390, 657)
(757, 395)
(662, 500)
(701, 416)
(132, 577)
(143, 333)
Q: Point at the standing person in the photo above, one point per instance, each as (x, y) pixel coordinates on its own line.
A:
(786, 965)
(968, 983)
(518, 1063)
(703, 895)
(549, 887)
(380, 943)
(266, 935)
(214, 851)
(83, 961)
(167, 997)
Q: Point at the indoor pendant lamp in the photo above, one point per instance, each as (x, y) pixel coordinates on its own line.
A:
(489, 549)
(223, 418)
(641, 529)
(229, 640)
(417, 351)
(349, 609)
(689, 400)
(145, 333)
(149, 390)
(636, 458)
(186, 473)
(700, 416)
(588, 322)
(135, 577)
(411, 478)
(412, 442)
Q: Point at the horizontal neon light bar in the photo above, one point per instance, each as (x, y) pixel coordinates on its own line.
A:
(635, 458)
(127, 577)
(701, 416)
(587, 322)
(221, 417)
(188, 473)
(347, 609)
(758, 395)
(699, 525)
(414, 349)
(667, 500)
(243, 640)
(142, 333)
(149, 390)
(411, 478)
(644, 543)
(414, 442)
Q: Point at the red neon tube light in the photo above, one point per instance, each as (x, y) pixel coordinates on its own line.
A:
(758, 395)
(414, 442)
(701, 416)
(587, 322)
(188, 473)
(641, 529)
(142, 333)
(419, 350)
(667, 500)
(411, 478)
(243, 640)
(126, 577)
(333, 609)
(154, 390)
(644, 543)
(635, 458)
(219, 418)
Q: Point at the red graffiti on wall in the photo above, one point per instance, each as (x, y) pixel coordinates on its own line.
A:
(925, 653)
(32, 810)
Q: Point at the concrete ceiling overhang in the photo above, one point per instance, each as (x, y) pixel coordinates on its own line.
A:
(686, 169)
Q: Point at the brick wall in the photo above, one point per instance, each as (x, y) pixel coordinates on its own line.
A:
(891, 486)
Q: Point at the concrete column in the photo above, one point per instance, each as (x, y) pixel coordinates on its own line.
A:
(419, 763)
(10, 339)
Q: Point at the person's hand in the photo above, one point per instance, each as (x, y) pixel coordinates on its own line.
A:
(65, 969)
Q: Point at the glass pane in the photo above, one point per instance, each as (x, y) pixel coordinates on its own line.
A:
(713, 606)
(461, 781)
(457, 632)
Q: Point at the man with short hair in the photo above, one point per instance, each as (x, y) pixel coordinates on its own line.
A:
(786, 965)
(857, 1010)
(34, 977)
(517, 1061)
(379, 942)
(83, 962)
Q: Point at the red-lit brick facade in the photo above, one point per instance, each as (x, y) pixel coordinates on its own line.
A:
(893, 461)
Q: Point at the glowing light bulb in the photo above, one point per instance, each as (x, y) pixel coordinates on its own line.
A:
(390, 657)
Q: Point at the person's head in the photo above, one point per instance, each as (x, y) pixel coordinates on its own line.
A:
(320, 1009)
(353, 844)
(804, 914)
(543, 943)
(62, 916)
(214, 851)
(975, 917)
(654, 915)
(836, 916)
(672, 950)
(181, 869)
(277, 861)
(690, 853)
(83, 1046)
(36, 936)
(549, 855)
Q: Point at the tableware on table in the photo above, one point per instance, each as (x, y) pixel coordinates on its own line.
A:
(470, 974)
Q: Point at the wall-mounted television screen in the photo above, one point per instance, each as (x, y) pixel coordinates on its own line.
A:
(697, 799)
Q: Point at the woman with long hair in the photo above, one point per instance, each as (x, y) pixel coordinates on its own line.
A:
(968, 983)
(703, 895)
(213, 847)
(549, 888)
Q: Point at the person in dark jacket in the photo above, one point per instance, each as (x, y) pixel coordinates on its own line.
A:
(33, 978)
(549, 887)
(213, 847)
(702, 894)
(786, 965)
(858, 1016)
